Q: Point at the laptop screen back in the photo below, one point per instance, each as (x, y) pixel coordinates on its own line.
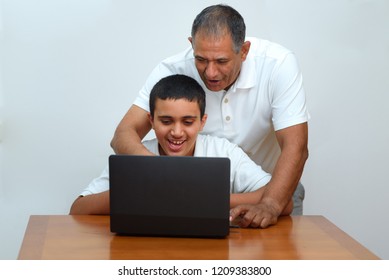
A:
(169, 196)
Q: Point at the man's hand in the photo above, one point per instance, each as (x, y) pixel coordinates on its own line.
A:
(259, 215)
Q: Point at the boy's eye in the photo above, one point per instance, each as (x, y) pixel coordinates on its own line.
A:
(166, 122)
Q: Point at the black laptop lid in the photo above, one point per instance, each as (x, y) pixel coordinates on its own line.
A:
(169, 196)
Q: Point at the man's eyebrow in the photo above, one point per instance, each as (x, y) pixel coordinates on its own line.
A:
(199, 56)
(216, 59)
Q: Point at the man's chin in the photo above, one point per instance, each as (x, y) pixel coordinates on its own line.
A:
(217, 86)
(215, 89)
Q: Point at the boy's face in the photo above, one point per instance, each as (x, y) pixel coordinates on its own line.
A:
(176, 124)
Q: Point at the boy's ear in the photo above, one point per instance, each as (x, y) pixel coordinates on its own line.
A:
(150, 119)
(203, 121)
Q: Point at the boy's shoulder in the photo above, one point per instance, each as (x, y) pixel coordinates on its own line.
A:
(206, 138)
(209, 145)
(151, 145)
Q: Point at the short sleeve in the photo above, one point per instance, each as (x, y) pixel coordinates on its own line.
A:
(99, 184)
(288, 95)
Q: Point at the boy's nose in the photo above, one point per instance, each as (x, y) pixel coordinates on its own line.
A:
(177, 130)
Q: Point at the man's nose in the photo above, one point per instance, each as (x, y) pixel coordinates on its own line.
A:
(211, 70)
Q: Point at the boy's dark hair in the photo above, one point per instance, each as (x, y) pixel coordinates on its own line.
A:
(177, 87)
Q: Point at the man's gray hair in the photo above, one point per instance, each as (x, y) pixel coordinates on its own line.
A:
(217, 20)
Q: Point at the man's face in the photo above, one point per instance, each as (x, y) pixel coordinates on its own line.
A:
(176, 124)
(216, 61)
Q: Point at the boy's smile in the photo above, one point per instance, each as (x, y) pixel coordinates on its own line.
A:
(176, 124)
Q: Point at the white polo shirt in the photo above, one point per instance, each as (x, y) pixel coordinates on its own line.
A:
(267, 96)
(246, 176)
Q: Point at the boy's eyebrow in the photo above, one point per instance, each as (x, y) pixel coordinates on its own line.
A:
(170, 117)
(184, 117)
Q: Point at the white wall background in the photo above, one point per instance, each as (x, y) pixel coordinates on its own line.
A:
(70, 69)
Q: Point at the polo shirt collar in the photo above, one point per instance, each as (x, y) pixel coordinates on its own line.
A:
(247, 76)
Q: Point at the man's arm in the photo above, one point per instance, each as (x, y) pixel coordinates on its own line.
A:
(287, 173)
(130, 132)
(94, 204)
(253, 198)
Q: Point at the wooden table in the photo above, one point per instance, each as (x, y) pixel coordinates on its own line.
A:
(89, 237)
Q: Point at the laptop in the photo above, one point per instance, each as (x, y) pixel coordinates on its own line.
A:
(169, 195)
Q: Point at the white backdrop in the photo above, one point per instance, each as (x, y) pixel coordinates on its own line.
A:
(70, 70)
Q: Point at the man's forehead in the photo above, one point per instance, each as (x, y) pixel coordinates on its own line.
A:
(218, 49)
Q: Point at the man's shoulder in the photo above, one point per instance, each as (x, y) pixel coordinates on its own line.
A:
(263, 47)
(185, 56)
(180, 63)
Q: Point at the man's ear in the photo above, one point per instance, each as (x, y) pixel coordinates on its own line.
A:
(190, 40)
(245, 49)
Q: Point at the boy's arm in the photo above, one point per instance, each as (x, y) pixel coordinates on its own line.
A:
(130, 132)
(94, 204)
(246, 198)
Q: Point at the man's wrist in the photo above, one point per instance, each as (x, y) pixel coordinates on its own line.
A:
(273, 204)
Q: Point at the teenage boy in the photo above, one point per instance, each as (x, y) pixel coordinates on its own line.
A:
(177, 115)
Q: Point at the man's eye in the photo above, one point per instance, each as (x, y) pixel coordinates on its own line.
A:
(166, 122)
(188, 123)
